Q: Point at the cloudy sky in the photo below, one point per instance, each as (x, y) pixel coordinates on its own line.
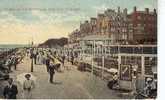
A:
(24, 20)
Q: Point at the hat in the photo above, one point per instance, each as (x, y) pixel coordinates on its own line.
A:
(27, 75)
(149, 79)
(10, 79)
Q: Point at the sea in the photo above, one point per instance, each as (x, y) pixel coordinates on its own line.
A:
(6, 47)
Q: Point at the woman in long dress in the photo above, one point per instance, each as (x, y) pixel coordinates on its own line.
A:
(28, 86)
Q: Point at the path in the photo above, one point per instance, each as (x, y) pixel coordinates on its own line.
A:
(71, 84)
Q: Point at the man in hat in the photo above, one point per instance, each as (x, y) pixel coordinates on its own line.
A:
(10, 91)
(134, 78)
(15, 61)
(28, 85)
(51, 71)
(47, 63)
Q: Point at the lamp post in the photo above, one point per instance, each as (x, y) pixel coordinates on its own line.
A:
(32, 56)
(31, 64)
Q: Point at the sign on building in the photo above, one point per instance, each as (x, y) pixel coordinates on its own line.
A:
(125, 72)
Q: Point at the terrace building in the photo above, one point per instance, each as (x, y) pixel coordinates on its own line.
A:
(74, 37)
(117, 25)
(144, 26)
(85, 28)
(138, 27)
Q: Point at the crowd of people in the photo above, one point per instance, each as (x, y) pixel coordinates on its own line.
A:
(149, 90)
(50, 59)
(10, 61)
(8, 64)
(56, 63)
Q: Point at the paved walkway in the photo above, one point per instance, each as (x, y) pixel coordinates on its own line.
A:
(71, 84)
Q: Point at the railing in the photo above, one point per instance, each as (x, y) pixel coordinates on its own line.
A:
(126, 49)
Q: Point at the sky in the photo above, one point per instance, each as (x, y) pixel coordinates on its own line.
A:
(22, 21)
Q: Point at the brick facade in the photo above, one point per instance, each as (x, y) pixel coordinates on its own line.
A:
(122, 28)
(144, 26)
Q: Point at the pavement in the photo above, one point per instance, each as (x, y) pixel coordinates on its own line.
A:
(69, 84)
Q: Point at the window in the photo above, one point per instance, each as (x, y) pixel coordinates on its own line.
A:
(150, 62)
(139, 25)
(130, 30)
(147, 50)
(131, 24)
(139, 17)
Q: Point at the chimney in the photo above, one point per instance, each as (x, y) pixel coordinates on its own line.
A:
(154, 11)
(118, 9)
(135, 9)
(125, 11)
(93, 19)
(108, 10)
(100, 15)
(86, 21)
(147, 10)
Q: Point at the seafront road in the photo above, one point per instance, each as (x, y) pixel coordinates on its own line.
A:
(69, 84)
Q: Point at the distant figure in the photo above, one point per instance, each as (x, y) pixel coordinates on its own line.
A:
(35, 53)
(10, 91)
(47, 63)
(38, 58)
(15, 62)
(28, 85)
(63, 61)
(35, 58)
(72, 59)
(134, 79)
(51, 71)
(9, 64)
(27, 53)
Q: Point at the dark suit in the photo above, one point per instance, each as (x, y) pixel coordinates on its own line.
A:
(51, 72)
(35, 58)
(47, 62)
(10, 93)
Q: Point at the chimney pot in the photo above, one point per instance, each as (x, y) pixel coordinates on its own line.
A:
(135, 9)
(147, 10)
(118, 9)
(154, 11)
(125, 11)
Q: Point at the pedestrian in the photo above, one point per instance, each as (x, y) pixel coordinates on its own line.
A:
(51, 71)
(10, 91)
(134, 79)
(63, 61)
(35, 58)
(9, 64)
(47, 62)
(28, 85)
(72, 59)
(15, 62)
(35, 53)
(38, 59)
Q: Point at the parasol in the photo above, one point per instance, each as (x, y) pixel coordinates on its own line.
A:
(113, 70)
(21, 78)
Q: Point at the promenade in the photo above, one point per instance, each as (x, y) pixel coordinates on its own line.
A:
(69, 84)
